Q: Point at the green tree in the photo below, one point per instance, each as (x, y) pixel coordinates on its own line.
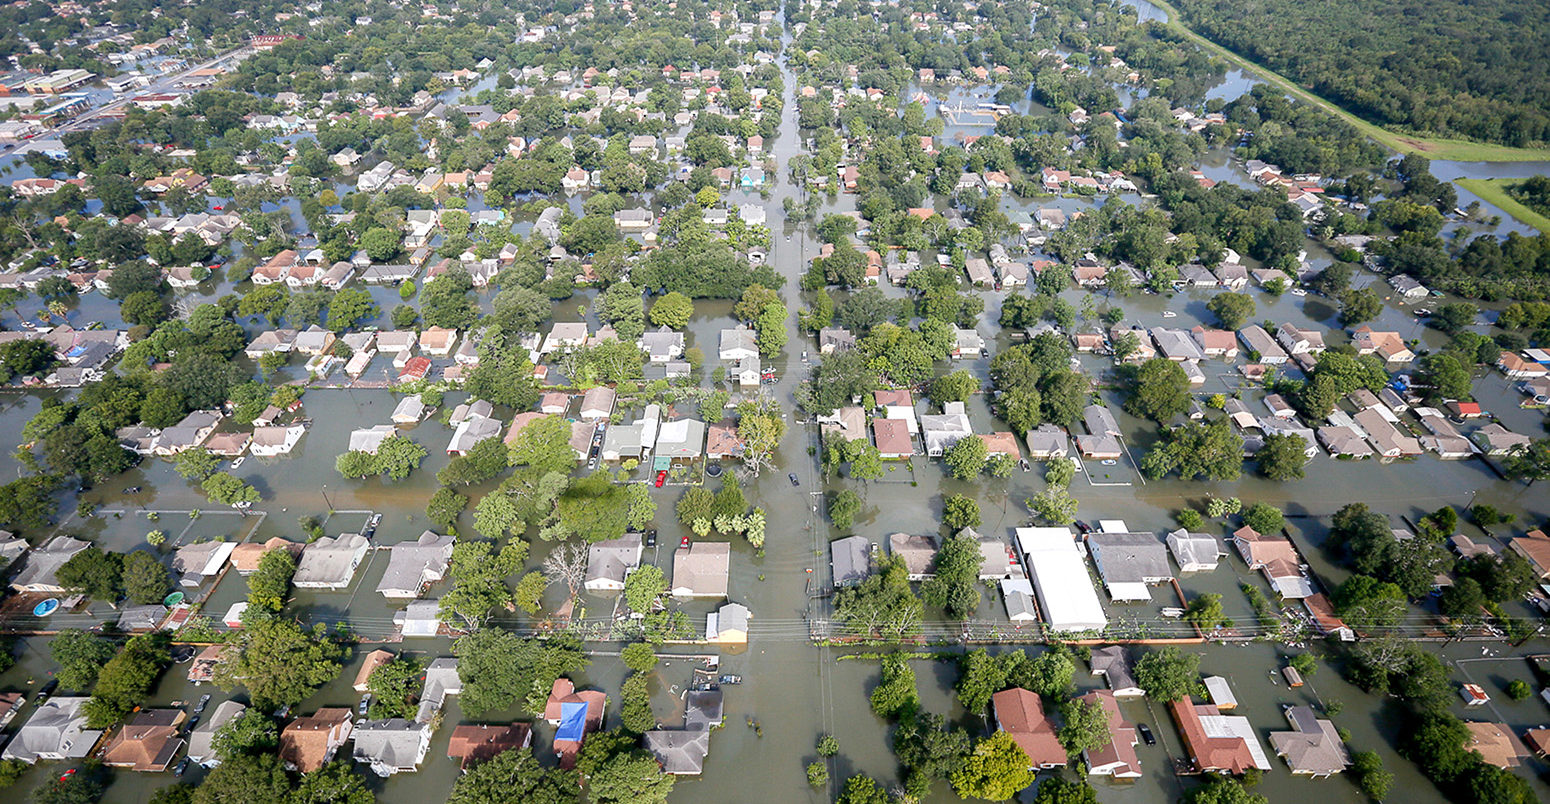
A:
(334, 783)
(1373, 780)
(1205, 612)
(1085, 727)
(862, 790)
(639, 656)
(80, 656)
(1168, 674)
(257, 779)
(544, 445)
(445, 505)
(954, 587)
(1282, 457)
(1264, 518)
(224, 488)
(195, 464)
(479, 573)
(635, 704)
(394, 686)
(1357, 306)
(1054, 505)
(966, 457)
(1532, 464)
(500, 669)
(673, 310)
(896, 697)
(997, 769)
(94, 573)
(1159, 390)
(515, 775)
(958, 386)
(883, 606)
(68, 790)
(1364, 602)
(146, 579)
(529, 593)
(843, 509)
(644, 587)
(1232, 310)
(630, 777)
(279, 663)
(248, 734)
(1063, 791)
(125, 681)
(270, 583)
(1224, 790)
(959, 512)
(380, 244)
(1195, 450)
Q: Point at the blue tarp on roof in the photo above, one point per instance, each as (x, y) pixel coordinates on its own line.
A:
(573, 721)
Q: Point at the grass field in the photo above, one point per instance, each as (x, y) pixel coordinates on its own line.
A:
(1494, 191)
(1430, 147)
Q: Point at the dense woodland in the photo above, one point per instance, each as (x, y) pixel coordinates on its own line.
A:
(1473, 70)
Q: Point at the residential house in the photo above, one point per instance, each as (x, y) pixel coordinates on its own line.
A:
(57, 730)
(1217, 743)
(438, 341)
(147, 743)
(1407, 288)
(1059, 574)
(1300, 341)
(475, 743)
(421, 618)
(662, 344)
(1102, 439)
(1047, 442)
(1388, 346)
(1498, 441)
(728, 625)
(722, 441)
(835, 339)
(441, 679)
(967, 343)
(1195, 552)
(412, 566)
(565, 336)
(1113, 663)
(850, 560)
(245, 557)
(40, 568)
(192, 431)
(942, 431)
(201, 741)
(893, 438)
(1533, 546)
(597, 403)
(1313, 747)
(1020, 713)
(391, 746)
(269, 442)
(740, 343)
(1215, 342)
(610, 562)
(198, 562)
(1276, 558)
(575, 714)
(1496, 744)
(918, 553)
(1128, 563)
(701, 570)
(329, 563)
(1116, 758)
(1260, 344)
(1386, 437)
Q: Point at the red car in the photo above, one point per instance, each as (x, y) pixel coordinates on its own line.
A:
(683, 544)
(661, 478)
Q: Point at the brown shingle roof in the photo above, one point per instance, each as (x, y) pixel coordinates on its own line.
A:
(473, 743)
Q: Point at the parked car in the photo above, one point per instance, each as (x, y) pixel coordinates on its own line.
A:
(661, 478)
(1146, 734)
(792, 476)
(683, 544)
(651, 538)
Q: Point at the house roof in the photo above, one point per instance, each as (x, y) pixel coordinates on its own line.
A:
(308, 742)
(473, 743)
(1497, 744)
(850, 559)
(1312, 746)
(613, 559)
(411, 565)
(393, 743)
(373, 660)
(147, 743)
(245, 556)
(1118, 755)
(57, 727)
(678, 751)
(1216, 742)
(917, 551)
(1129, 557)
(1020, 713)
(330, 561)
(701, 570)
(893, 437)
(1113, 663)
(42, 565)
(201, 740)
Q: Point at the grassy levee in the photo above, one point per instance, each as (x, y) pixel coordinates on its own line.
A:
(1494, 191)
(1430, 147)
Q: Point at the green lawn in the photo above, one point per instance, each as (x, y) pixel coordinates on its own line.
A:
(1430, 147)
(1494, 191)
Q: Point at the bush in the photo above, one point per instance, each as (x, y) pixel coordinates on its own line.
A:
(1519, 690)
(1190, 519)
(817, 774)
(828, 746)
(639, 657)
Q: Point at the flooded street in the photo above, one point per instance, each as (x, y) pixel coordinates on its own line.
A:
(793, 690)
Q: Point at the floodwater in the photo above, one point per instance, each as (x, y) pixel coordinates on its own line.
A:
(793, 690)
